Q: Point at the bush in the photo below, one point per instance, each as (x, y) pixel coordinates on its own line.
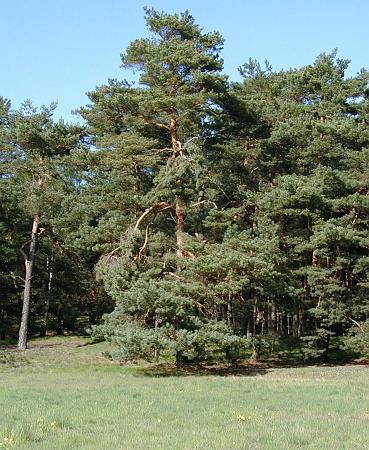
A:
(132, 341)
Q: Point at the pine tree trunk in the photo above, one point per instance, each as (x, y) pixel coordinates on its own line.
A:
(256, 339)
(229, 311)
(59, 323)
(2, 332)
(177, 151)
(201, 210)
(256, 348)
(49, 268)
(29, 260)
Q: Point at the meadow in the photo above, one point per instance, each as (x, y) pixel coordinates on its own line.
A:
(63, 393)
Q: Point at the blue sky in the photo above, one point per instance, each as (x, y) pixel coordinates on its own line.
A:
(58, 50)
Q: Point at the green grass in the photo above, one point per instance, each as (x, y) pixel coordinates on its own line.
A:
(63, 394)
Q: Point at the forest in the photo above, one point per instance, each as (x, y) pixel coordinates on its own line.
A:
(188, 216)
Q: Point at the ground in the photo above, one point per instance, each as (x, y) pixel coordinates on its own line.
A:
(62, 393)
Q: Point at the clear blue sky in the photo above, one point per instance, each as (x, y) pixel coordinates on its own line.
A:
(58, 50)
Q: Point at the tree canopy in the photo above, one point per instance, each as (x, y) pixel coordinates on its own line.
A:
(203, 216)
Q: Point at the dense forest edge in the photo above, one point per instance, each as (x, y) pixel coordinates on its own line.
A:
(192, 218)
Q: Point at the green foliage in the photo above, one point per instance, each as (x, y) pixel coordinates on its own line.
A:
(358, 339)
(193, 210)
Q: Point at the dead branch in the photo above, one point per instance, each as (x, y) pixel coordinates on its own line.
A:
(189, 141)
(165, 149)
(354, 220)
(202, 202)
(15, 278)
(157, 124)
(318, 305)
(162, 206)
(110, 254)
(356, 323)
(202, 308)
(171, 274)
(144, 244)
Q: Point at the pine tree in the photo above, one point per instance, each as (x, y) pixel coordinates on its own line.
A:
(174, 106)
(35, 144)
(313, 131)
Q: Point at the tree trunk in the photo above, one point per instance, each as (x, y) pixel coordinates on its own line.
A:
(256, 348)
(177, 151)
(256, 339)
(28, 260)
(49, 268)
(59, 321)
(323, 344)
(201, 210)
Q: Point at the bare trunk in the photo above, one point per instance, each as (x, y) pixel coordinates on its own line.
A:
(28, 260)
(319, 157)
(229, 310)
(201, 211)
(256, 348)
(315, 260)
(177, 151)
(49, 268)
(136, 177)
(258, 328)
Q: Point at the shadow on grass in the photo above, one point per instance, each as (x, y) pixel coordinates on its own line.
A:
(188, 370)
(288, 359)
(337, 356)
(91, 342)
(11, 358)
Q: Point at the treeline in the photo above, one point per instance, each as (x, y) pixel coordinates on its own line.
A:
(203, 215)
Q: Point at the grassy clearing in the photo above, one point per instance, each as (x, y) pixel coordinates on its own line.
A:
(63, 394)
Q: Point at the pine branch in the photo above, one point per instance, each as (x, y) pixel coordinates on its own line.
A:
(158, 207)
(144, 244)
(356, 323)
(157, 124)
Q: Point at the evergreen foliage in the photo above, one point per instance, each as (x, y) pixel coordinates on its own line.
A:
(203, 216)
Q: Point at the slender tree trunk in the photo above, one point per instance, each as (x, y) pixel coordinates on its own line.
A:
(229, 310)
(49, 268)
(258, 327)
(136, 178)
(59, 324)
(201, 210)
(180, 216)
(2, 332)
(256, 348)
(29, 260)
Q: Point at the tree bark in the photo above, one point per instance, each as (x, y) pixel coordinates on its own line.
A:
(201, 211)
(49, 268)
(256, 348)
(28, 260)
(177, 151)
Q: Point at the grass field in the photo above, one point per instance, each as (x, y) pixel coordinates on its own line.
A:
(63, 394)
